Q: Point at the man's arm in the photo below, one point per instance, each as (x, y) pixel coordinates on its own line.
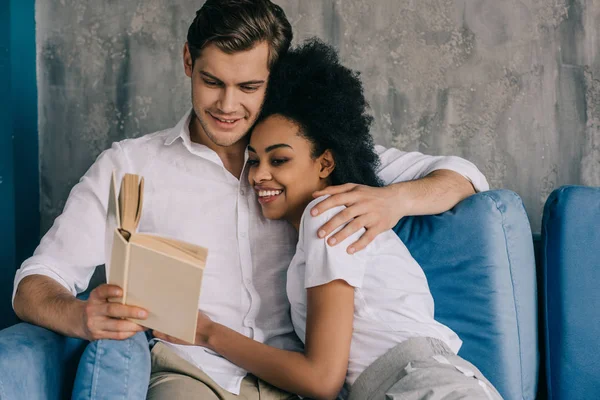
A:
(42, 301)
(417, 185)
(46, 284)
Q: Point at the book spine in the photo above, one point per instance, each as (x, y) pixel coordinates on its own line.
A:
(126, 273)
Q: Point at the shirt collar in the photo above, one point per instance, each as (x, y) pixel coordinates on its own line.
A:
(181, 130)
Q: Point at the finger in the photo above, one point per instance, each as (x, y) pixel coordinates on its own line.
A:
(343, 199)
(364, 241)
(104, 292)
(337, 221)
(120, 325)
(331, 190)
(114, 335)
(351, 228)
(117, 310)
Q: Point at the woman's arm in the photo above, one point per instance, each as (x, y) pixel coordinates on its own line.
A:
(317, 373)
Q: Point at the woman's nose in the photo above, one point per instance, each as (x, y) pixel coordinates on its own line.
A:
(262, 174)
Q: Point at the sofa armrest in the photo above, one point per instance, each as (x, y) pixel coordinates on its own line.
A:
(571, 272)
(36, 363)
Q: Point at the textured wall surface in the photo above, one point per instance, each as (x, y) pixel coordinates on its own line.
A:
(513, 86)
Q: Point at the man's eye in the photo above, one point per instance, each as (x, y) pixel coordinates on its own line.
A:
(249, 88)
(211, 83)
(252, 163)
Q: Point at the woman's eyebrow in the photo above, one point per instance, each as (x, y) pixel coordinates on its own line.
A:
(271, 148)
(277, 146)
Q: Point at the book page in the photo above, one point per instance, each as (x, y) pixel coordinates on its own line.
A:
(168, 288)
(130, 201)
(184, 251)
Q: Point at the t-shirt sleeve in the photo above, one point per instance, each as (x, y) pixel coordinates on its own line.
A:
(400, 166)
(325, 263)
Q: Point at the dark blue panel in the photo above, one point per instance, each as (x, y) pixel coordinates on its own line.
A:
(7, 203)
(24, 115)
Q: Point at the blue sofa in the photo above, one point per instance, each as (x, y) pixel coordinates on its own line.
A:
(480, 265)
(570, 268)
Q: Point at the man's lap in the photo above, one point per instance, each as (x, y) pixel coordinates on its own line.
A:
(114, 369)
(173, 377)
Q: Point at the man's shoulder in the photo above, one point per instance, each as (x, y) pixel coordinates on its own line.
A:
(154, 139)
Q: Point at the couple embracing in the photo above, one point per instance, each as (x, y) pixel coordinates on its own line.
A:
(307, 292)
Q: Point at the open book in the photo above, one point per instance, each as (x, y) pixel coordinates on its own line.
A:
(159, 274)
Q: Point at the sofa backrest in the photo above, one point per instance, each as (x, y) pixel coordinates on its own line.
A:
(479, 262)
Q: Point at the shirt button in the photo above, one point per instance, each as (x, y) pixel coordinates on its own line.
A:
(248, 281)
(242, 192)
(243, 234)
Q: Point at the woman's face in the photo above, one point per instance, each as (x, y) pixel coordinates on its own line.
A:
(282, 170)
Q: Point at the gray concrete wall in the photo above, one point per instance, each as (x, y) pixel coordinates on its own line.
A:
(513, 86)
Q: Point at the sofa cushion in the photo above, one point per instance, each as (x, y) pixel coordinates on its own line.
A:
(479, 262)
(571, 280)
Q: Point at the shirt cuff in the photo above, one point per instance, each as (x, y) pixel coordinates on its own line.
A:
(463, 167)
(38, 269)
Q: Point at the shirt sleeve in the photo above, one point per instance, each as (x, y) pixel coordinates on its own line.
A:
(325, 263)
(74, 246)
(400, 166)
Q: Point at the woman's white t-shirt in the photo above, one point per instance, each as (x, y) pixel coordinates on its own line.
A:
(392, 302)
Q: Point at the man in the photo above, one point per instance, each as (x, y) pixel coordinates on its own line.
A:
(197, 191)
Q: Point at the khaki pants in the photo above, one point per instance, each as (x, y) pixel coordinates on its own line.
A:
(174, 378)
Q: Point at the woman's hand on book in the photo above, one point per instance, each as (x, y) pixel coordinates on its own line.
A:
(204, 329)
(105, 319)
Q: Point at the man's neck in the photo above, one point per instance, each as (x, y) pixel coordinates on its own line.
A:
(232, 156)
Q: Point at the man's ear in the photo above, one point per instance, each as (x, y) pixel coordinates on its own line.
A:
(187, 60)
(327, 164)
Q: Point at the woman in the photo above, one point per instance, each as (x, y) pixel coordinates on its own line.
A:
(366, 319)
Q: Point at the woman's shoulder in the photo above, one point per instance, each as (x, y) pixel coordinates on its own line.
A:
(308, 221)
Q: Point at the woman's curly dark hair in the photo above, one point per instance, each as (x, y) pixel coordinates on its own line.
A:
(311, 88)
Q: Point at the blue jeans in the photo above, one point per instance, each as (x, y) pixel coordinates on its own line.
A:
(114, 369)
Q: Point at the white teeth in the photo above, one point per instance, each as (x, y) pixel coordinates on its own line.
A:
(267, 193)
(229, 121)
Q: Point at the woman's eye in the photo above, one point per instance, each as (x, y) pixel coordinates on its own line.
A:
(278, 161)
(252, 163)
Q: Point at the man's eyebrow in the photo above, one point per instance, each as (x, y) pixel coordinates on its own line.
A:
(252, 82)
(255, 82)
(210, 76)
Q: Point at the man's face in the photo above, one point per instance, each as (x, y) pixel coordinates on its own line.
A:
(227, 93)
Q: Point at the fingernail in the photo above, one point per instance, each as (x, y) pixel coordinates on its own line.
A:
(321, 233)
(141, 314)
(314, 212)
(332, 241)
(351, 250)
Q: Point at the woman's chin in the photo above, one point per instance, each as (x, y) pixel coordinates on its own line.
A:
(269, 213)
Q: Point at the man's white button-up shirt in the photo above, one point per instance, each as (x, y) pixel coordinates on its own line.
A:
(190, 196)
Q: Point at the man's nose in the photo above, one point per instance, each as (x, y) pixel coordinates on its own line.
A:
(228, 102)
